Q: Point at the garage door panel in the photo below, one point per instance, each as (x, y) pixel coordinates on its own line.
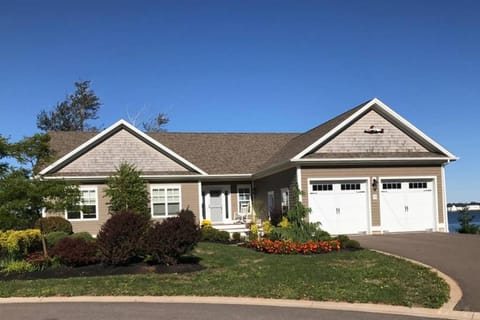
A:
(340, 206)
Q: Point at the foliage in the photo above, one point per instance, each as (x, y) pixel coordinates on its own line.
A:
(289, 247)
(120, 237)
(53, 238)
(267, 227)
(83, 235)
(253, 234)
(33, 151)
(75, 251)
(351, 244)
(157, 123)
(127, 190)
(53, 224)
(236, 237)
(214, 235)
(17, 266)
(73, 113)
(206, 224)
(39, 261)
(284, 223)
(17, 244)
(166, 241)
(466, 226)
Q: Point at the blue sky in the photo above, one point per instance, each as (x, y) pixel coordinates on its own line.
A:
(263, 66)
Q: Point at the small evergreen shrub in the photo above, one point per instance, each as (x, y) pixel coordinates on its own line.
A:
(52, 238)
(267, 227)
(167, 241)
(17, 244)
(236, 237)
(119, 238)
(82, 235)
(253, 234)
(465, 219)
(75, 252)
(214, 235)
(351, 244)
(54, 223)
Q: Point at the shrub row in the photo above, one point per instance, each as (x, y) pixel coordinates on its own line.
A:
(289, 247)
(54, 224)
(75, 251)
(17, 244)
(214, 235)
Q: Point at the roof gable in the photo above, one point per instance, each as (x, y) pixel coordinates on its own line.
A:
(121, 142)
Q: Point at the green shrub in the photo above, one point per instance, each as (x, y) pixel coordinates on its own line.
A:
(351, 244)
(236, 236)
(17, 266)
(167, 241)
(75, 252)
(214, 235)
(54, 223)
(82, 235)
(343, 239)
(120, 237)
(17, 244)
(465, 219)
(253, 234)
(53, 237)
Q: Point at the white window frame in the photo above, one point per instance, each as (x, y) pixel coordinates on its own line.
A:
(165, 186)
(244, 186)
(284, 191)
(270, 195)
(85, 188)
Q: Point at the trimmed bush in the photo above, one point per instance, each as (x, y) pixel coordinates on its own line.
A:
(75, 252)
(167, 241)
(17, 244)
(351, 244)
(214, 235)
(236, 236)
(82, 235)
(119, 238)
(52, 238)
(54, 223)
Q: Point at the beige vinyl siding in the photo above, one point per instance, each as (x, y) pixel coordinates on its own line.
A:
(377, 173)
(275, 182)
(122, 147)
(354, 139)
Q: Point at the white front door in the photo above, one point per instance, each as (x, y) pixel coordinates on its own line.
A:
(407, 205)
(217, 203)
(340, 206)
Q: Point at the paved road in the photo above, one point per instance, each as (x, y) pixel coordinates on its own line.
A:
(173, 311)
(456, 255)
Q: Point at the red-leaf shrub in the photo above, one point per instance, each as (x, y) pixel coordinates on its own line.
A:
(120, 237)
(288, 247)
(75, 252)
(168, 240)
(54, 223)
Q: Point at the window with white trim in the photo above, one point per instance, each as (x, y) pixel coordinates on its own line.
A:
(88, 206)
(165, 201)
(418, 185)
(244, 199)
(322, 187)
(391, 185)
(285, 200)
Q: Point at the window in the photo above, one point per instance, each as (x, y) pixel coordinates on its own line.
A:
(392, 185)
(322, 187)
(417, 185)
(285, 200)
(165, 201)
(88, 209)
(244, 199)
(350, 186)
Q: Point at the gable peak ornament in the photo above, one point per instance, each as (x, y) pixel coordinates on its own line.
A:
(373, 130)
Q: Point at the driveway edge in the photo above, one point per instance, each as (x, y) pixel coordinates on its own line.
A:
(283, 303)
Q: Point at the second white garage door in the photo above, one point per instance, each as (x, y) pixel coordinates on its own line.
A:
(340, 206)
(407, 205)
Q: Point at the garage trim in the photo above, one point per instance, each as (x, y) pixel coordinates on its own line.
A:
(367, 190)
(435, 194)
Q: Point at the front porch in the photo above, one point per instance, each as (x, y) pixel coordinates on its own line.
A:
(242, 228)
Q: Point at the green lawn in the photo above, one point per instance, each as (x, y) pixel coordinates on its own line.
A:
(360, 276)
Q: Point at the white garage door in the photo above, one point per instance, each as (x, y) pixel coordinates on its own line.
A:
(407, 205)
(340, 206)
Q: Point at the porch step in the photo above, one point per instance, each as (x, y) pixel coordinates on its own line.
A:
(232, 228)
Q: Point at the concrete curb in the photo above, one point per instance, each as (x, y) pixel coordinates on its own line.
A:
(282, 303)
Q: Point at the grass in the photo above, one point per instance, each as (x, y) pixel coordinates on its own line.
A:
(360, 276)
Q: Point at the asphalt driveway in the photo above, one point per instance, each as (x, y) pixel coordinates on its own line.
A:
(456, 255)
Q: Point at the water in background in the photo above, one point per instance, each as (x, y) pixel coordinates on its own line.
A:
(453, 224)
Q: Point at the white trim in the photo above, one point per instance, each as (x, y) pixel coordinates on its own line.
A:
(299, 183)
(97, 213)
(358, 113)
(110, 129)
(367, 194)
(165, 186)
(223, 188)
(368, 159)
(167, 177)
(444, 200)
(200, 201)
(270, 210)
(282, 191)
(249, 187)
(434, 194)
